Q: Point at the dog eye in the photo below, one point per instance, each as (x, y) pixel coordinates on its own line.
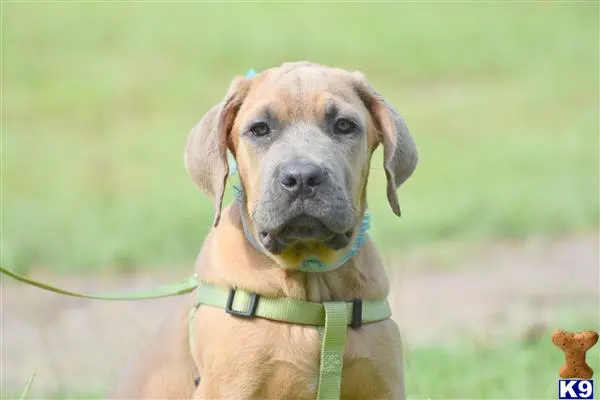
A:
(344, 126)
(260, 129)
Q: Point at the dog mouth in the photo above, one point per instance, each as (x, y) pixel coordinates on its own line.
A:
(303, 228)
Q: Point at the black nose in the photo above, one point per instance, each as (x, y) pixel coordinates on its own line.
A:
(302, 178)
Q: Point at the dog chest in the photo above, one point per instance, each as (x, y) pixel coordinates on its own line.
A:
(267, 359)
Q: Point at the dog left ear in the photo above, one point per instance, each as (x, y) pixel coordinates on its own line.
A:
(205, 154)
(399, 151)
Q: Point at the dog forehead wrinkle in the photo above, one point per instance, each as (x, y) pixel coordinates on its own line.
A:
(300, 92)
(331, 110)
(306, 133)
(303, 82)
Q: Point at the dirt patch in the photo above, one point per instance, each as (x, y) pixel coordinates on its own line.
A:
(518, 289)
(510, 289)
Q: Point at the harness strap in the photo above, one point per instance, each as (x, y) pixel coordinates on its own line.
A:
(332, 351)
(331, 319)
(286, 309)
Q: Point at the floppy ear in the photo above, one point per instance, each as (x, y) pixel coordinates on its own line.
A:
(399, 150)
(205, 154)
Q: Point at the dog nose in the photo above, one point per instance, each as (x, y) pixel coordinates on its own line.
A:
(302, 178)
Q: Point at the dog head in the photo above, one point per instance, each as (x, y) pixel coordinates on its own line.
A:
(302, 135)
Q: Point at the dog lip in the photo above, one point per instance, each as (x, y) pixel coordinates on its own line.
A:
(301, 229)
(303, 221)
(272, 243)
(305, 227)
(339, 241)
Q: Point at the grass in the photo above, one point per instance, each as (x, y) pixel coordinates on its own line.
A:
(98, 98)
(510, 370)
(504, 366)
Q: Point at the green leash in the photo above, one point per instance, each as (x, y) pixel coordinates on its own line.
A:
(331, 319)
(175, 289)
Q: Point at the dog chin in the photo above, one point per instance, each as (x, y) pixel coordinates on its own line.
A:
(304, 233)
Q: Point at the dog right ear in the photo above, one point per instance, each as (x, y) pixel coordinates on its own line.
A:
(399, 151)
(205, 154)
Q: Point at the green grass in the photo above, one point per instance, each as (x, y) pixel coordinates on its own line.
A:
(98, 99)
(503, 366)
(510, 370)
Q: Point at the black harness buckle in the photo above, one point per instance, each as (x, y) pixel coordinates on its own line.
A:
(356, 314)
(251, 312)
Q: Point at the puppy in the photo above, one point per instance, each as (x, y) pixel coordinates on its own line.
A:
(302, 135)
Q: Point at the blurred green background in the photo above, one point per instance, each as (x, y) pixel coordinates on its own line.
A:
(98, 98)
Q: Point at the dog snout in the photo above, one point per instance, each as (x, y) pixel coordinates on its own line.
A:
(302, 178)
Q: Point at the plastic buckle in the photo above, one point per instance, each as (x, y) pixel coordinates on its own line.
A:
(356, 314)
(251, 312)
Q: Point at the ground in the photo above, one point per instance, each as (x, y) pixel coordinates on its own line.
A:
(519, 290)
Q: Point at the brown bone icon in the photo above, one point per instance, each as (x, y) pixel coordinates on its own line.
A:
(575, 345)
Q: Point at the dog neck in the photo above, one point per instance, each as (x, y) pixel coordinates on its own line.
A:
(228, 259)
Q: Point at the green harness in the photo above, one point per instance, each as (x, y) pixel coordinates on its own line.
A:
(331, 318)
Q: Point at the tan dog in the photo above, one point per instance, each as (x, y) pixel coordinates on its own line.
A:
(302, 135)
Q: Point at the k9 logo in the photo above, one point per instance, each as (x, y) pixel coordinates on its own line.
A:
(575, 389)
